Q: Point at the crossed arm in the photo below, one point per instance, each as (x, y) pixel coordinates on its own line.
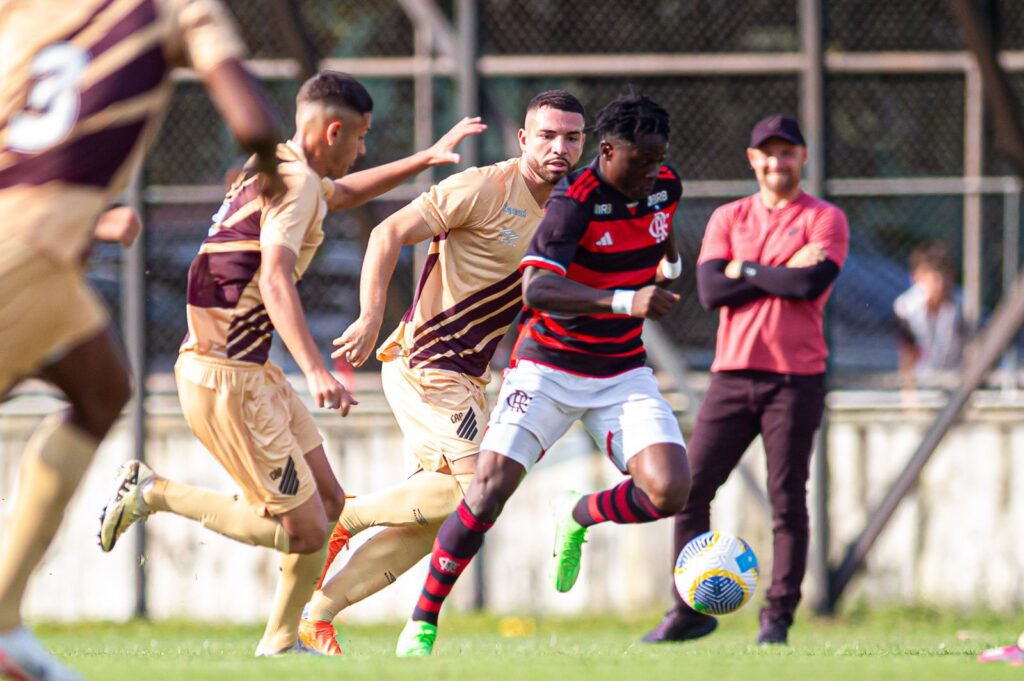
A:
(733, 283)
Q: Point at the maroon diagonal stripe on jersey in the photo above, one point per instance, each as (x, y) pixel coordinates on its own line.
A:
(428, 266)
(470, 301)
(91, 159)
(218, 279)
(143, 15)
(468, 341)
(87, 22)
(258, 355)
(137, 77)
(253, 323)
(512, 296)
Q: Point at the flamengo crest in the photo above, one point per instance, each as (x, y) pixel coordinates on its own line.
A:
(659, 226)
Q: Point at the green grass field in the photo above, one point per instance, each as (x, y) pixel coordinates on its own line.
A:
(856, 647)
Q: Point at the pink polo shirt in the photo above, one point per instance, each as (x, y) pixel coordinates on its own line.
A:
(772, 333)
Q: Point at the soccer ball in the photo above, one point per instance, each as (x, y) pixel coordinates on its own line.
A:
(716, 573)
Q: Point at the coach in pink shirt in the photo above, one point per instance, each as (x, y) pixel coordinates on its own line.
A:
(767, 263)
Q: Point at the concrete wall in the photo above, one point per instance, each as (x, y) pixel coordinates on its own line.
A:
(953, 542)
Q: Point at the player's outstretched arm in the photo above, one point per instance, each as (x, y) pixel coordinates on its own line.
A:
(358, 188)
(403, 228)
(242, 104)
(119, 225)
(549, 292)
(281, 298)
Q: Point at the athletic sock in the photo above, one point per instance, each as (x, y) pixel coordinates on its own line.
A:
(373, 566)
(425, 498)
(224, 514)
(296, 582)
(623, 504)
(55, 459)
(458, 540)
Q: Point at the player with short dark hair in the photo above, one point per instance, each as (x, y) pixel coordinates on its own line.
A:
(768, 261)
(589, 280)
(242, 286)
(84, 85)
(436, 363)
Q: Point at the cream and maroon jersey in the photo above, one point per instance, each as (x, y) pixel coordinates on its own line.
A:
(83, 89)
(469, 292)
(226, 316)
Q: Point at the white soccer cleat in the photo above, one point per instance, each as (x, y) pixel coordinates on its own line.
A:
(23, 658)
(297, 648)
(127, 504)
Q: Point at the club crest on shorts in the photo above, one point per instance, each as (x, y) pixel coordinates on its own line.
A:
(518, 401)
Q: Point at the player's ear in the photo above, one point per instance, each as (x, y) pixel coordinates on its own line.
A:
(332, 132)
(751, 156)
(606, 149)
(522, 138)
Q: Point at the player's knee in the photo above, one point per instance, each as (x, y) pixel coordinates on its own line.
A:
(669, 494)
(334, 504)
(308, 539)
(98, 412)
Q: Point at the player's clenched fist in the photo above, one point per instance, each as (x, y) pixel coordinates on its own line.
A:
(328, 393)
(652, 302)
(356, 344)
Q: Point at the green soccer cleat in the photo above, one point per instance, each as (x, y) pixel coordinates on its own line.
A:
(416, 640)
(569, 539)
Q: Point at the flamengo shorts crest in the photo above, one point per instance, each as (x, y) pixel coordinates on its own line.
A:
(254, 424)
(624, 414)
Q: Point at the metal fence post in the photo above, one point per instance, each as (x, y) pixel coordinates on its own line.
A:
(133, 329)
(812, 113)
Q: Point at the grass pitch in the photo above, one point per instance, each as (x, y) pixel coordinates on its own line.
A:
(857, 647)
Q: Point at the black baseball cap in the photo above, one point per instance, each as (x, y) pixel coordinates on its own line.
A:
(779, 126)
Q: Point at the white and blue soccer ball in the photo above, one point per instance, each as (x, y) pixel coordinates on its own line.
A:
(716, 573)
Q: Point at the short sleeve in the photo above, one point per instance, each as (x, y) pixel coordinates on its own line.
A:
(716, 244)
(554, 243)
(462, 201)
(286, 222)
(208, 34)
(831, 231)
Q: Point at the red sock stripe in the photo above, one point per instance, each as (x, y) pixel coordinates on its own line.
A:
(427, 605)
(470, 520)
(622, 492)
(653, 511)
(593, 509)
(437, 588)
(608, 504)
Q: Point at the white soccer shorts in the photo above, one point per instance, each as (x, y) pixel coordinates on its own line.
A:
(624, 414)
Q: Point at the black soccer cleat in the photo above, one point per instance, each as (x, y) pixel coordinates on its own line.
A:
(681, 624)
(774, 629)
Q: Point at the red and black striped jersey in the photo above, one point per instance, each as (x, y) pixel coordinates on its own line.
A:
(593, 234)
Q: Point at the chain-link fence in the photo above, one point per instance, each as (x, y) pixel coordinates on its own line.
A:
(902, 139)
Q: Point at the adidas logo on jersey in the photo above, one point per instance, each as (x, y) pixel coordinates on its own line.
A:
(606, 240)
(467, 429)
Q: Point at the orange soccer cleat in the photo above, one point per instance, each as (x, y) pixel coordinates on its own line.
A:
(337, 542)
(320, 636)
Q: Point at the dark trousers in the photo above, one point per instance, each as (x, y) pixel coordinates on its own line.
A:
(786, 410)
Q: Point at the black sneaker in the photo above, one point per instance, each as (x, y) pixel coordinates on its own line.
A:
(774, 629)
(681, 624)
